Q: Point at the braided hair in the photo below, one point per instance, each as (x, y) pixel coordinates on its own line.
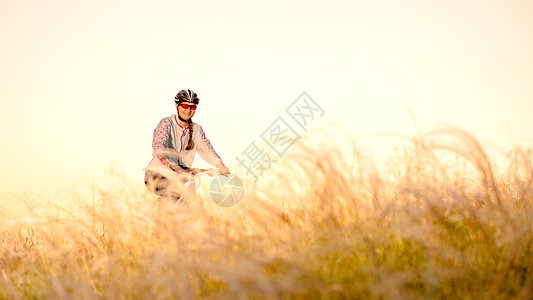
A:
(188, 96)
(190, 145)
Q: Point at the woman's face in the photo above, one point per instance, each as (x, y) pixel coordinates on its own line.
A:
(186, 113)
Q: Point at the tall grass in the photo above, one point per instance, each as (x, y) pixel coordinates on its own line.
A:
(437, 222)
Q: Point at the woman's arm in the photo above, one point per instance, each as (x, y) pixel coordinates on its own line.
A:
(208, 153)
(160, 138)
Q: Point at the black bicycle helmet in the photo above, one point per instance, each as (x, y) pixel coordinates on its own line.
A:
(187, 96)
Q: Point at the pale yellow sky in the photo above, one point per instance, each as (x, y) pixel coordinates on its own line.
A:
(84, 84)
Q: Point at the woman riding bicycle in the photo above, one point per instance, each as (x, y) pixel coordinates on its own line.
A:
(176, 141)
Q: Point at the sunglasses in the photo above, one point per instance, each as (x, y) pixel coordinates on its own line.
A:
(186, 106)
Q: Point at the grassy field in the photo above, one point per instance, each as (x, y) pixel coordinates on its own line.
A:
(437, 221)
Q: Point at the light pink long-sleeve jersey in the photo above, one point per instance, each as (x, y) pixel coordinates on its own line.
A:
(169, 136)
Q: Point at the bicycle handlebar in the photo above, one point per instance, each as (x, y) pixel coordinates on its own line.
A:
(195, 174)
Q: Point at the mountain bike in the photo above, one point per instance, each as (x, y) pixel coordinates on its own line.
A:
(175, 184)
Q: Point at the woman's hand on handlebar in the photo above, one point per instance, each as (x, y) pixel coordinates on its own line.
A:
(164, 161)
(224, 171)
